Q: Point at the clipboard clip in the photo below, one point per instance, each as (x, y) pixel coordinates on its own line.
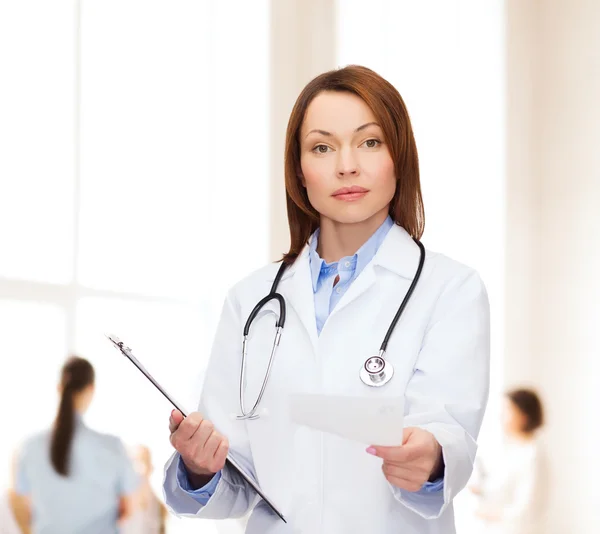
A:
(119, 344)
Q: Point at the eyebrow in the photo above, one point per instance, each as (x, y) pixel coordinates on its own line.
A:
(329, 134)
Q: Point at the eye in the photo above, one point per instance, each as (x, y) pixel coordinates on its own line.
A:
(321, 149)
(372, 143)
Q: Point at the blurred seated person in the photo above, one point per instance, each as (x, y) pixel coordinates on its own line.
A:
(150, 514)
(8, 516)
(512, 492)
(14, 510)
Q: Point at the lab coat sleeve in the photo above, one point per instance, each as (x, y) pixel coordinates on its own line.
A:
(232, 496)
(448, 392)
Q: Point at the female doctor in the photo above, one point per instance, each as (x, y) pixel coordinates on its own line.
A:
(355, 214)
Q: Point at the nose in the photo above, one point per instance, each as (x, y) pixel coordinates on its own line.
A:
(347, 164)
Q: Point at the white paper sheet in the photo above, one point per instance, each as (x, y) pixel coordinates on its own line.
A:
(369, 420)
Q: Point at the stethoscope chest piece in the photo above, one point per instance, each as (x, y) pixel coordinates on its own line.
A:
(376, 371)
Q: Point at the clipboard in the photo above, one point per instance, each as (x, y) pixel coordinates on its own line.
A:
(126, 351)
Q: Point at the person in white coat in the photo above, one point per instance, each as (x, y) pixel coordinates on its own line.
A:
(355, 214)
(513, 491)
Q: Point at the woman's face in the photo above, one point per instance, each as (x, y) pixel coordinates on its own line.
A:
(345, 165)
(513, 419)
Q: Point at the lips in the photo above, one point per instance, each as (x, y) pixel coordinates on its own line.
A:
(350, 193)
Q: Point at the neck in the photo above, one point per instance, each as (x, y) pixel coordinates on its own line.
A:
(81, 403)
(338, 240)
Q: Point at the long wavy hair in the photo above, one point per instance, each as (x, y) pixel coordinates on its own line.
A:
(406, 208)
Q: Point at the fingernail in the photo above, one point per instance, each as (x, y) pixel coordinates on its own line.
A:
(371, 450)
(172, 413)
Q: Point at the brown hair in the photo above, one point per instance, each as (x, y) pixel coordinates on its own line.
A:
(406, 208)
(530, 405)
(76, 375)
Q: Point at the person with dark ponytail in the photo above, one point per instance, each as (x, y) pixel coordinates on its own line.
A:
(76, 480)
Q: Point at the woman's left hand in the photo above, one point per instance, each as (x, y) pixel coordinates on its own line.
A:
(413, 463)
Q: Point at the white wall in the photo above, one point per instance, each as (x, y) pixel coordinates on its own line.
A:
(522, 190)
(303, 46)
(554, 229)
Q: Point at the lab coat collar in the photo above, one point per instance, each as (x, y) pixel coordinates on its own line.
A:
(398, 253)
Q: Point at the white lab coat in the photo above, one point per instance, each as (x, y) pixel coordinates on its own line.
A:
(321, 482)
(515, 490)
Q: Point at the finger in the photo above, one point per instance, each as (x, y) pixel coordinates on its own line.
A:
(188, 427)
(398, 455)
(175, 420)
(218, 453)
(211, 446)
(202, 434)
(414, 473)
(397, 471)
(404, 484)
(221, 455)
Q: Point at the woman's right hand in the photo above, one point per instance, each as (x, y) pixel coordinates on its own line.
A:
(202, 449)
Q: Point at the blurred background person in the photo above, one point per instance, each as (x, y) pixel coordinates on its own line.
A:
(511, 489)
(149, 514)
(8, 521)
(14, 509)
(75, 479)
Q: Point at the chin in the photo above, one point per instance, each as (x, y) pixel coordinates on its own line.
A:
(344, 218)
(352, 216)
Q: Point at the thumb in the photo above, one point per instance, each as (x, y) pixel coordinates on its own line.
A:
(407, 434)
(175, 419)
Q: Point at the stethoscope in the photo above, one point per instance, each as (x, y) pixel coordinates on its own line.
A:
(375, 372)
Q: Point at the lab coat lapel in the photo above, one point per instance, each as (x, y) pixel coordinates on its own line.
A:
(398, 253)
(363, 283)
(299, 293)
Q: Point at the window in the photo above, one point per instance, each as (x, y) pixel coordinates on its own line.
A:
(36, 135)
(128, 203)
(33, 348)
